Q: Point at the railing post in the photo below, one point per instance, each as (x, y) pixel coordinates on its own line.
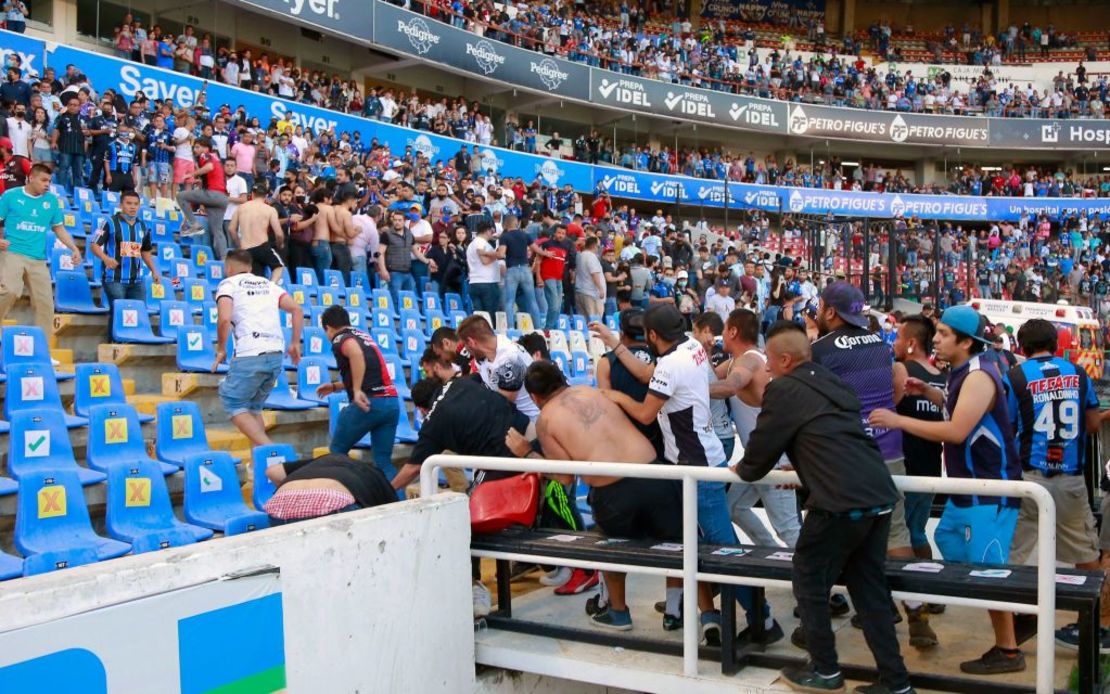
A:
(690, 625)
(1046, 588)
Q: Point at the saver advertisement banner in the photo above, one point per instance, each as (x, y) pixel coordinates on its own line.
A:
(351, 18)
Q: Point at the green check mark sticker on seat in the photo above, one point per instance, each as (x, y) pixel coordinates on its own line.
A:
(193, 342)
(36, 444)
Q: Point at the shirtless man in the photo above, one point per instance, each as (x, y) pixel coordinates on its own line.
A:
(344, 230)
(579, 423)
(743, 380)
(249, 229)
(322, 232)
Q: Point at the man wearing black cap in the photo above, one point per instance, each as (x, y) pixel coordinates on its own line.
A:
(678, 397)
(613, 375)
(866, 363)
(978, 443)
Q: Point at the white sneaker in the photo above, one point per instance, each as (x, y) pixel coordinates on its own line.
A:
(557, 577)
(195, 230)
(482, 600)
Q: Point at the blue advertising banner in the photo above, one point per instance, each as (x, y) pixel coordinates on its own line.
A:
(131, 78)
(29, 50)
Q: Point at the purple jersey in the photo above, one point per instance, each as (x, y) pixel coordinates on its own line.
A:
(866, 363)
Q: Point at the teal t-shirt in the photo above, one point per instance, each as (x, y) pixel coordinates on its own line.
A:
(27, 219)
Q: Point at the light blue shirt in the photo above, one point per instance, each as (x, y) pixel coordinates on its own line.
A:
(26, 220)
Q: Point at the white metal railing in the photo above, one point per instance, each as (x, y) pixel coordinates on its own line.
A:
(690, 475)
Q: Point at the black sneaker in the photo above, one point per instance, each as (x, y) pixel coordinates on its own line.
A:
(772, 635)
(879, 688)
(1068, 637)
(805, 679)
(995, 662)
(671, 623)
(594, 606)
(859, 625)
(711, 628)
(798, 638)
(661, 607)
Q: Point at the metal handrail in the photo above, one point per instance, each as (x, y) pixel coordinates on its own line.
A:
(690, 475)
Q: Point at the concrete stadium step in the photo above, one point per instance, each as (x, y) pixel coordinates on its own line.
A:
(81, 334)
(203, 389)
(144, 364)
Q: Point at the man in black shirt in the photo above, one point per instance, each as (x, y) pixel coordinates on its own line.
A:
(518, 275)
(813, 416)
(102, 128)
(463, 416)
(329, 484)
(68, 141)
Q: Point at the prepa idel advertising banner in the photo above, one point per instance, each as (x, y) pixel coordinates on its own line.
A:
(431, 39)
(687, 103)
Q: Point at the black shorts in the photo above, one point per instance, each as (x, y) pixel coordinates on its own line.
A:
(264, 256)
(639, 509)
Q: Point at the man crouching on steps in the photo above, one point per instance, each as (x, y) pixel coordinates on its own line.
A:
(813, 417)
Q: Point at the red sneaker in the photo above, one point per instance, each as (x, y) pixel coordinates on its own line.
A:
(580, 581)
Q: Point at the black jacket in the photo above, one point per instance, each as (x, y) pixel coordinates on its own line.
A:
(814, 417)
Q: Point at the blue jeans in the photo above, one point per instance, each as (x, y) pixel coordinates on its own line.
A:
(610, 306)
(419, 276)
(400, 282)
(553, 292)
(918, 506)
(71, 170)
(715, 528)
(486, 297)
(519, 279)
(119, 290)
(249, 382)
(380, 422)
(321, 259)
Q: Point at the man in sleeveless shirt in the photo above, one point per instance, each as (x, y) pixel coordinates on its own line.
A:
(978, 444)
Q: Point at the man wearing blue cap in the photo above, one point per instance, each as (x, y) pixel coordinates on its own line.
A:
(978, 444)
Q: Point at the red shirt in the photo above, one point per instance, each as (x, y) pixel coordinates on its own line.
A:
(552, 268)
(214, 179)
(601, 207)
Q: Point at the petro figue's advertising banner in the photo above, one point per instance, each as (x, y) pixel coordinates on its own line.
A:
(434, 40)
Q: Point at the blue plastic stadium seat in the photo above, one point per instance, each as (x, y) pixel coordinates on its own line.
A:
(173, 315)
(283, 398)
(196, 293)
(33, 386)
(563, 322)
(396, 369)
(412, 343)
(11, 566)
(410, 319)
(210, 316)
(315, 343)
(383, 320)
(406, 433)
(213, 498)
(562, 359)
(55, 561)
(195, 351)
(263, 457)
(202, 255)
(336, 403)
(433, 321)
(613, 320)
(454, 302)
(329, 296)
(312, 372)
(99, 384)
(579, 322)
(581, 369)
(131, 324)
(305, 276)
(356, 298)
(72, 293)
(139, 507)
(408, 301)
(214, 274)
(180, 432)
(180, 269)
(52, 517)
(385, 339)
(357, 318)
(39, 442)
(383, 301)
(361, 280)
(23, 344)
(456, 317)
(116, 437)
(334, 278)
(430, 302)
(155, 294)
(303, 294)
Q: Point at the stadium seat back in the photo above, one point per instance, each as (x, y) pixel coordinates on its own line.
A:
(97, 384)
(155, 294)
(578, 323)
(563, 322)
(303, 294)
(408, 301)
(396, 367)
(357, 318)
(202, 255)
(139, 508)
(312, 372)
(456, 317)
(561, 358)
(52, 517)
(410, 319)
(315, 343)
(454, 302)
(361, 280)
(334, 279)
(282, 397)
(434, 320)
(263, 457)
(356, 299)
(431, 302)
(328, 296)
(180, 432)
(501, 322)
(406, 433)
(305, 276)
(212, 495)
(383, 318)
(116, 436)
(73, 294)
(524, 322)
(196, 292)
(173, 315)
(210, 316)
(31, 387)
(412, 343)
(384, 339)
(131, 324)
(39, 442)
(24, 344)
(214, 273)
(195, 351)
(383, 302)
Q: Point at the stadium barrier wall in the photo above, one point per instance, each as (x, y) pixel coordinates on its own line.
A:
(131, 79)
(373, 600)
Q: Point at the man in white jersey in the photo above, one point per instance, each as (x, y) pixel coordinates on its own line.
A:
(744, 378)
(251, 306)
(501, 362)
(678, 396)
